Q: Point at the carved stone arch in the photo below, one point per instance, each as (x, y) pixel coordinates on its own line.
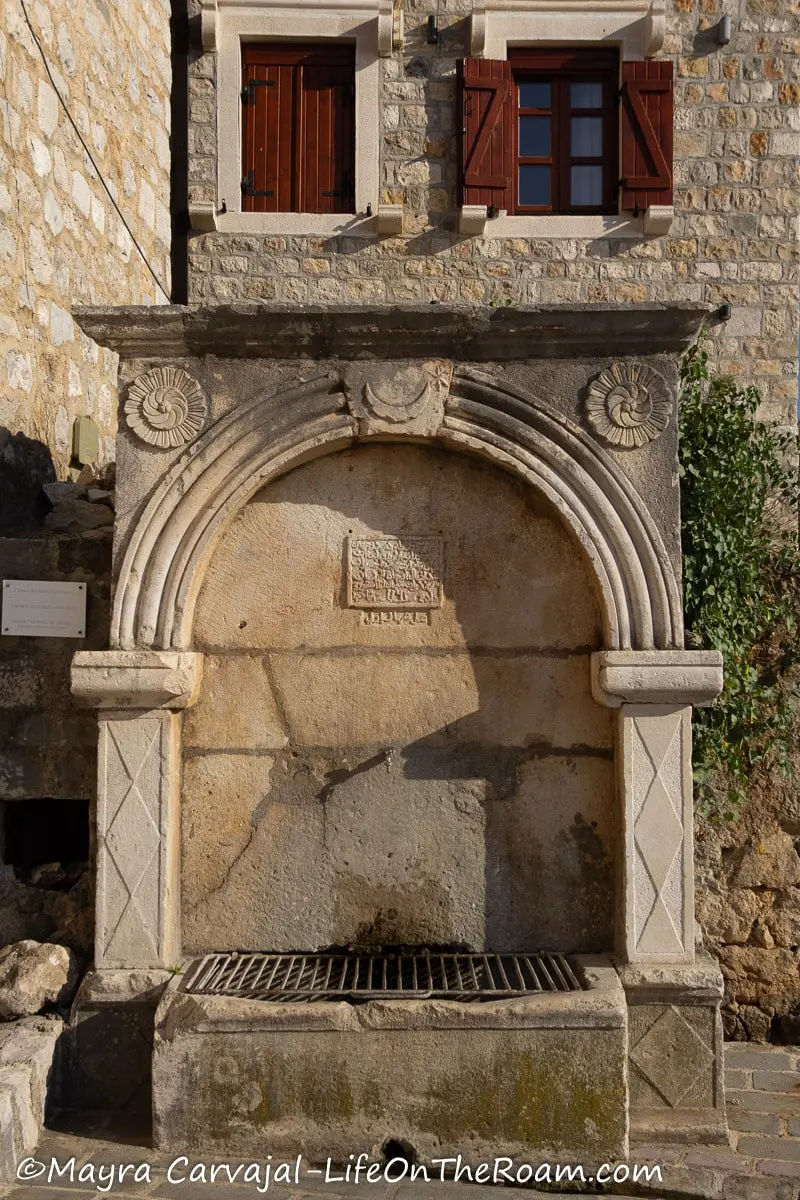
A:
(641, 597)
(174, 537)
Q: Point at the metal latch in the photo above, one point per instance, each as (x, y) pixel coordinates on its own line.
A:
(249, 186)
(249, 89)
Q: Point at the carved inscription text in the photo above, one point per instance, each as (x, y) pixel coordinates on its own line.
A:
(399, 573)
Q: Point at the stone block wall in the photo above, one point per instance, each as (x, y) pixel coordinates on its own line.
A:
(61, 242)
(734, 238)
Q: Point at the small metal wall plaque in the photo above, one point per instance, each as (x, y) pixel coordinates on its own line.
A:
(35, 608)
(395, 573)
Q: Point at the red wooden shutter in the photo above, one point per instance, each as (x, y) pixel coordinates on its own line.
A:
(647, 117)
(268, 130)
(486, 99)
(298, 128)
(327, 138)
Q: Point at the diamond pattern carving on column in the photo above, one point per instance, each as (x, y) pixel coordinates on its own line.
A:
(657, 772)
(131, 864)
(672, 1056)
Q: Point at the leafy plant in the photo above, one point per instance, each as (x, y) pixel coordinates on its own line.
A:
(740, 504)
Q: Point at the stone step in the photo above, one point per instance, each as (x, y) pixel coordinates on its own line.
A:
(27, 1048)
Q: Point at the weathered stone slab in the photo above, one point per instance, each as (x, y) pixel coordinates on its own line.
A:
(238, 707)
(137, 867)
(656, 771)
(278, 577)
(27, 1049)
(253, 329)
(536, 1076)
(501, 700)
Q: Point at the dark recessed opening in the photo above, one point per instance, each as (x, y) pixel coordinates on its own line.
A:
(44, 831)
(399, 1148)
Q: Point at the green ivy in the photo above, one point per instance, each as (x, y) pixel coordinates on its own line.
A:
(740, 505)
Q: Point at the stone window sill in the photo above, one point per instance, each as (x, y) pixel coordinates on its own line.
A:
(474, 221)
(296, 224)
(564, 227)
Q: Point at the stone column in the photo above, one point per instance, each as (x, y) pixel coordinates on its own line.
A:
(674, 1025)
(653, 691)
(139, 695)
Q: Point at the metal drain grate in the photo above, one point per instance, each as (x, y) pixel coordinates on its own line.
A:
(373, 976)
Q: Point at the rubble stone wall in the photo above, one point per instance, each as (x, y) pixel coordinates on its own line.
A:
(734, 238)
(748, 907)
(61, 242)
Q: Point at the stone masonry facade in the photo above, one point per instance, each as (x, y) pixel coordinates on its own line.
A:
(734, 238)
(61, 242)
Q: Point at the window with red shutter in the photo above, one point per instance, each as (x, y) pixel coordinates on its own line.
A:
(542, 132)
(298, 128)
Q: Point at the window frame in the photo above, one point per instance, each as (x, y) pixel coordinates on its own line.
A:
(291, 23)
(561, 67)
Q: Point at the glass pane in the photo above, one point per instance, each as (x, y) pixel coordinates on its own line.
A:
(534, 137)
(586, 95)
(534, 94)
(586, 185)
(534, 185)
(587, 137)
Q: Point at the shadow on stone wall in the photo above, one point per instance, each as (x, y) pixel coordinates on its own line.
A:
(450, 778)
(26, 465)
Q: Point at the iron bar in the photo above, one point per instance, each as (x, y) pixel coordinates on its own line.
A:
(453, 976)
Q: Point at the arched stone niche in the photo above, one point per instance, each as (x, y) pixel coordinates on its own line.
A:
(217, 441)
(398, 776)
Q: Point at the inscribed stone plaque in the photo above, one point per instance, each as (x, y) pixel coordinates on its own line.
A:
(396, 573)
(35, 608)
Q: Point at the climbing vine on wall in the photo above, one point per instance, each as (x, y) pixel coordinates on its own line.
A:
(740, 503)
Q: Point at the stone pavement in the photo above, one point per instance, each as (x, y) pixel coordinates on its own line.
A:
(762, 1162)
(762, 1086)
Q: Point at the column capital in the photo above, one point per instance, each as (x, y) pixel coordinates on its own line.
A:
(136, 679)
(676, 677)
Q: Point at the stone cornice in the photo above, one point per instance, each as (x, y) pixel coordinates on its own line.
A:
(656, 677)
(136, 679)
(255, 330)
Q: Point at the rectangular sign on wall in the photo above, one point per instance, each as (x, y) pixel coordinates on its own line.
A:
(35, 608)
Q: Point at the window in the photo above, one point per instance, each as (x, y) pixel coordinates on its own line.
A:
(298, 128)
(564, 133)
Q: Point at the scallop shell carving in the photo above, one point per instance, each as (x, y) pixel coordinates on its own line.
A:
(166, 407)
(628, 405)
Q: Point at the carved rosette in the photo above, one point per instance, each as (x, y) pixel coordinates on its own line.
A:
(166, 407)
(628, 405)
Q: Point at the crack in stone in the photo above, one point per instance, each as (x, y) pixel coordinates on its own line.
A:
(213, 891)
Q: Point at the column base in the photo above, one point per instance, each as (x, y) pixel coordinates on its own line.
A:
(675, 1068)
(105, 1063)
